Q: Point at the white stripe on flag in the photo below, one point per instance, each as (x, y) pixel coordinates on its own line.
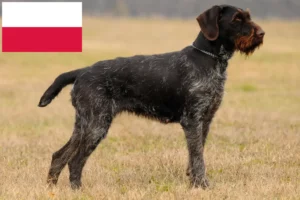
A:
(41, 14)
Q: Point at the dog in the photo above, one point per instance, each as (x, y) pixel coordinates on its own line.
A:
(183, 87)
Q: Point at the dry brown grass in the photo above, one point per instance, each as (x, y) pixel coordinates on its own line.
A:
(253, 150)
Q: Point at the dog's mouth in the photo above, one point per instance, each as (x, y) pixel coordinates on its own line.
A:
(248, 44)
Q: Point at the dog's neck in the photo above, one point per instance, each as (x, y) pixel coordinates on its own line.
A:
(219, 49)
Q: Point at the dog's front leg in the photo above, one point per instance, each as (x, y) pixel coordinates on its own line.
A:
(194, 133)
(205, 130)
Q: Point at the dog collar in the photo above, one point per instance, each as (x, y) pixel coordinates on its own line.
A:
(205, 52)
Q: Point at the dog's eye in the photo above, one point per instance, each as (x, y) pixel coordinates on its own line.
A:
(238, 19)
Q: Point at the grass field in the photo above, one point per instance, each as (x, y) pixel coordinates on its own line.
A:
(253, 149)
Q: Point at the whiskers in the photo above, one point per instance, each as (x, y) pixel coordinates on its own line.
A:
(248, 44)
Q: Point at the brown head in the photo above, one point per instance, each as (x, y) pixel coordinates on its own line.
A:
(233, 26)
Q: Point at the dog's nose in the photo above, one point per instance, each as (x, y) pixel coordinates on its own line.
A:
(260, 32)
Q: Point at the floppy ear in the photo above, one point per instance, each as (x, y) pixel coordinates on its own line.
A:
(208, 22)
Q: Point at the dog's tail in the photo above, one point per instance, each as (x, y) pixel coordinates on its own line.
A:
(60, 82)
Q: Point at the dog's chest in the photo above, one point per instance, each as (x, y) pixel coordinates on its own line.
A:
(218, 81)
(210, 87)
(218, 84)
(221, 67)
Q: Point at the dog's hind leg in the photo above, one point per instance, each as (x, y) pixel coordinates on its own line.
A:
(95, 132)
(62, 156)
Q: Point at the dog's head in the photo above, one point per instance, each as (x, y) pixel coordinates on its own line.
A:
(233, 25)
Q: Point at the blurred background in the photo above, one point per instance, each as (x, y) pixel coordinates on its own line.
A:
(252, 151)
(186, 8)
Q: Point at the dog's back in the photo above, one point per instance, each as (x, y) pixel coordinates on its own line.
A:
(151, 86)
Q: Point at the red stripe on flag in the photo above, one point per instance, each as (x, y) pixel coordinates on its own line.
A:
(41, 39)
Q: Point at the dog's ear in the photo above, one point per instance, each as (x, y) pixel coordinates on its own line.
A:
(208, 22)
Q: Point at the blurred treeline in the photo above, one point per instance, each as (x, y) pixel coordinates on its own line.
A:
(186, 8)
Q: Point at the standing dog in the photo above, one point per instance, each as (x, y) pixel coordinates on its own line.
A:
(183, 87)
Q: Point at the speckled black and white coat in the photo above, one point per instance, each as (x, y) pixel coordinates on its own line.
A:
(183, 87)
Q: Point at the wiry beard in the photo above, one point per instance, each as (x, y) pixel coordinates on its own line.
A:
(248, 44)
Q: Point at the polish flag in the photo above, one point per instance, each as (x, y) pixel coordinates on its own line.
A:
(41, 27)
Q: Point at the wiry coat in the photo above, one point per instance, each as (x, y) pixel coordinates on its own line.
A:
(183, 87)
(158, 86)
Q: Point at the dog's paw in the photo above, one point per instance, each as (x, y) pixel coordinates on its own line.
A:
(75, 185)
(51, 181)
(201, 182)
(204, 183)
